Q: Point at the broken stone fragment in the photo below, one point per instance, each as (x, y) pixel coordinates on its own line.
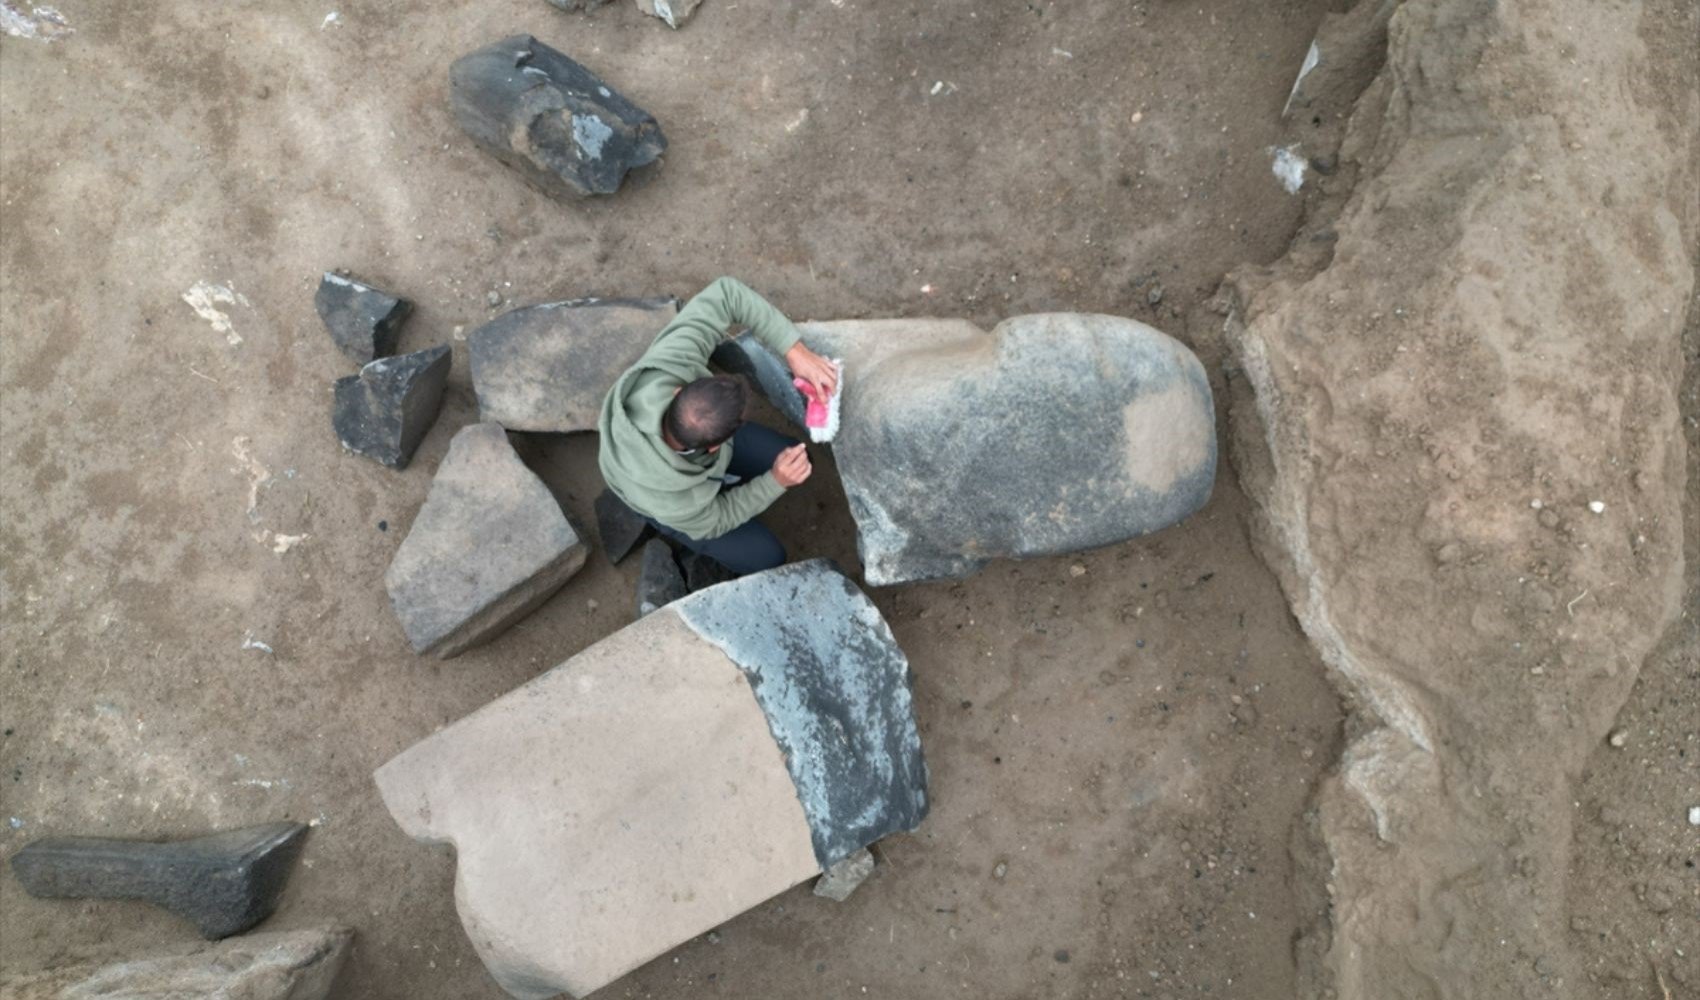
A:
(364, 322)
(490, 544)
(659, 581)
(1066, 431)
(547, 367)
(746, 738)
(1348, 49)
(279, 965)
(223, 883)
(702, 572)
(842, 878)
(618, 526)
(550, 119)
(384, 412)
(578, 5)
(674, 12)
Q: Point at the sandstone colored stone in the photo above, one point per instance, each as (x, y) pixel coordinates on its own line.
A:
(1054, 433)
(386, 410)
(556, 123)
(223, 883)
(277, 965)
(364, 322)
(490, 544)
(547, 367)
(710, 755)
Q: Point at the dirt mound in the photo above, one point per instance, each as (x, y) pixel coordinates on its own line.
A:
(1459, 420)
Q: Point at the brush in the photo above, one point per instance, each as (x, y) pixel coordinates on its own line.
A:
(821, 416)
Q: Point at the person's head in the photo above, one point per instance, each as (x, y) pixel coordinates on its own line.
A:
(705, 413)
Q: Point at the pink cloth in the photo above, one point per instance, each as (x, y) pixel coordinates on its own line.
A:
(815, 416)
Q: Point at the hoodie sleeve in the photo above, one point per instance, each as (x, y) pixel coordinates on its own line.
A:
(730, 508)
(702, 324)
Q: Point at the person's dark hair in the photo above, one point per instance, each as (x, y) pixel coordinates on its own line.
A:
(706, 412)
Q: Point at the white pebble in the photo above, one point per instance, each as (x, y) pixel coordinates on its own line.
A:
(1596, 506)
(1694, 815)
(1536, 503)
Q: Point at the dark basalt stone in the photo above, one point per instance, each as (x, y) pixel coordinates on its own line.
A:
(659, 582)
(364, 322)
(619, 527)
(223, 883)
(549, 118)
(386, 410)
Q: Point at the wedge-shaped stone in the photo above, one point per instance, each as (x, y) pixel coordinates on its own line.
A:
(547, 367)
(489, 546)
(712, 754)
(386, 410)
(660, 581)
(1055, 432)
(281, 965)
(223, 883)
(364, 322)
(550, 119)
(618, 527)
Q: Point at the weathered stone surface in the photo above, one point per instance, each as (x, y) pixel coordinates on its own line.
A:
(223, 883)
(280, 965)
(842, 878)
(489, 546)
(674, 12)
(1496, 322)
(618, 526)
(547, 367)
(385, 411)
(364, 322)
(667, 730)
(578, 5)
(550, 119)
(1053, 433)
(659, 581)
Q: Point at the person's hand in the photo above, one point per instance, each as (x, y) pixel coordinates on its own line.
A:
(813, 369)
(792, 466)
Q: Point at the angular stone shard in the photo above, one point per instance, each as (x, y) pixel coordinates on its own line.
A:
(578, 5)
(674, 12)
(676, 733)
(489, 546)
(547, 367)
(842, 878)
(702, 572)
(364, 322)
(223, 883)
(385, 411)
(1065, 431)
(550, 119)
(619, 527)
(659, 581)
(281, 965)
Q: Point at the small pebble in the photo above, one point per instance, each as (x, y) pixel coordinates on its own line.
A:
(1619, 738)
(1000, 869)
(383, 525)
(591, 603)
(1548, 519)
(1061, 955)
(494, 298)
(1077, 570)
(1596, 506)
(713, 937)
(1694, 815)
(1536, 503)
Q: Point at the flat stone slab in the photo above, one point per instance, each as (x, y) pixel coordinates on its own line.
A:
(280, 965)
(547, 367)
(660, 582)
(364, 322)
(1053, 433)
(386, 410)
(490, 544)
(555, 122)
(710, 755)
(223, 883)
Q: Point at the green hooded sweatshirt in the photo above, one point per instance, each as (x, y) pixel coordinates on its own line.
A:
(683, 492)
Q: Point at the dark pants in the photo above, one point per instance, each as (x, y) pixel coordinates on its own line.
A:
(750, 547)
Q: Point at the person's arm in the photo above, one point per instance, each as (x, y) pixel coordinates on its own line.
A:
(702, 324)
(731, 508)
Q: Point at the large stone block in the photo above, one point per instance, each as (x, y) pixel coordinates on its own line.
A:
(283, 965)
(386, 410)
(712, 754)
(223, 883)
(549, 118)
(547, 367)
(1053, 433)
(489, 546)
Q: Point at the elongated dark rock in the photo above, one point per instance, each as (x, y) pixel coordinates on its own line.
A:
(223, 883)
(550, 119)
(659, 581)
(619, 527)
(386, 410)
(364, 322)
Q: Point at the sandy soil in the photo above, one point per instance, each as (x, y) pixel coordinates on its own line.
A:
(1135, 731)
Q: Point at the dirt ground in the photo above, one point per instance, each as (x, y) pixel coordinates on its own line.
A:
(1134, 741)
